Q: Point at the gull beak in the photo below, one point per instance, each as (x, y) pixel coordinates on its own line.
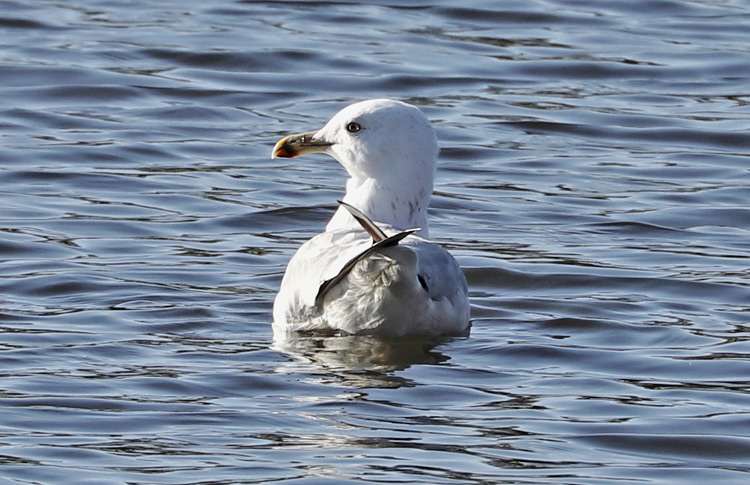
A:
(293, 145)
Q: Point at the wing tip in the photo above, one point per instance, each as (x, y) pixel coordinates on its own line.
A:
(367, 224)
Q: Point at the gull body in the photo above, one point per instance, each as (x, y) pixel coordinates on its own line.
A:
(350, 279)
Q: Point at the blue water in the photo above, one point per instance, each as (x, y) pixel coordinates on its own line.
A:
(594, 183)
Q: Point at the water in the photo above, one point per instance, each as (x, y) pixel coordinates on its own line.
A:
(593, 183)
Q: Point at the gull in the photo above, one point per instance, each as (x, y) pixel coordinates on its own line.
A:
(373, 271)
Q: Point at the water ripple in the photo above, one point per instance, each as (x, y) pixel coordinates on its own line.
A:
(593, 183)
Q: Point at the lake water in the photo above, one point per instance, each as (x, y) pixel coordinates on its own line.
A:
(594, 184)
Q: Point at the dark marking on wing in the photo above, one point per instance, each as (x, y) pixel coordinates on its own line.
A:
(387, 242)
(423, 282)
(372, 229)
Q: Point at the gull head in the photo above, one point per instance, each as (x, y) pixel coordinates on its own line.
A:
(377, 138)
(389, 150)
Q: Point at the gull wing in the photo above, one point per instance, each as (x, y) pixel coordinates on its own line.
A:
(369, 226)
(380, 241)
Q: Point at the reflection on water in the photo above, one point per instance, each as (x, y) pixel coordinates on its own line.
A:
(593, 183)
(367, 360)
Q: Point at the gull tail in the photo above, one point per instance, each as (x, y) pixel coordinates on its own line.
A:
(379, 238)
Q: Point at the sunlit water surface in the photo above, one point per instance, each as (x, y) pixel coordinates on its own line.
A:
(594, 183)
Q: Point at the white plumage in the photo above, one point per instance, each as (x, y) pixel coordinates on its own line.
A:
(336, 283)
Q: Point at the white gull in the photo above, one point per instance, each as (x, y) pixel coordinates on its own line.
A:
(353, 279)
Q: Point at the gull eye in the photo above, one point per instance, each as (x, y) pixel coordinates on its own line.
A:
(353, 127)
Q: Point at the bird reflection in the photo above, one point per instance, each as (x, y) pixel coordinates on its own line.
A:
(363, 360)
